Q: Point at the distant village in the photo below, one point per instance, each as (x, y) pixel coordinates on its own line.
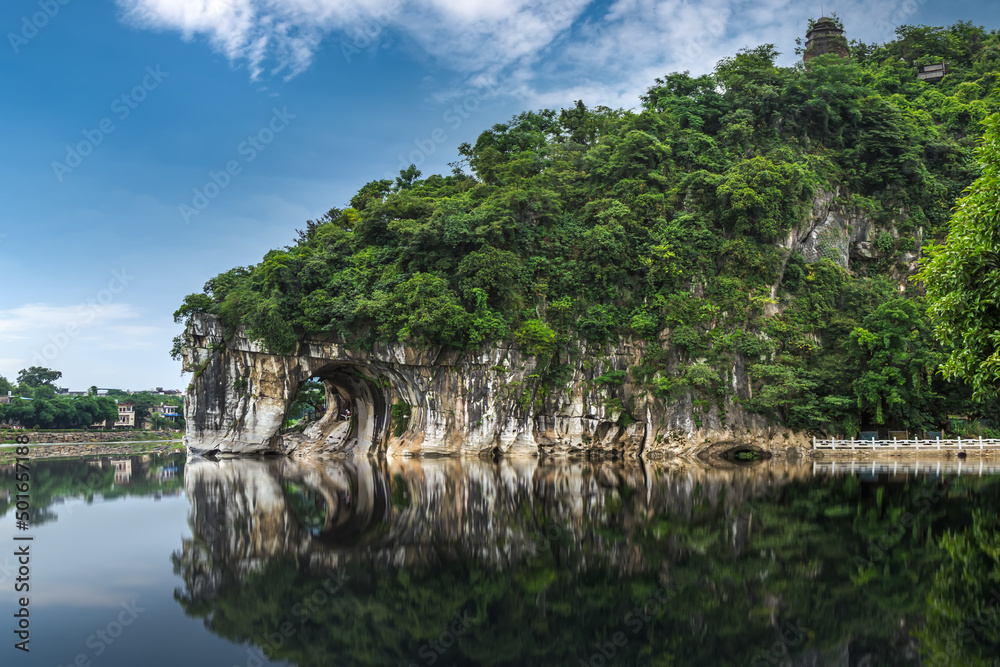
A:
(147, 409)
(126, 410)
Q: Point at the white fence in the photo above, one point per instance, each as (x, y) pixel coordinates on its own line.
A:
(914, 444)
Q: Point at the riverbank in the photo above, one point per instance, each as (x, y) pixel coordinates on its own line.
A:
(8, 437)
(78, 450)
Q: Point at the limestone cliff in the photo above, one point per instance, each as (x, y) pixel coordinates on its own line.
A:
(488, 401)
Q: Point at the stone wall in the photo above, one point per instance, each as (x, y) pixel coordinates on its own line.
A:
(78, 450)
(83, 436)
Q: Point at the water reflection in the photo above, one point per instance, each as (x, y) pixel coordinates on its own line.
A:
(908, 467)
(54, 481)
(470, 562)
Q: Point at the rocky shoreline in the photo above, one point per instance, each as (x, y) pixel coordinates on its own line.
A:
(718, 452)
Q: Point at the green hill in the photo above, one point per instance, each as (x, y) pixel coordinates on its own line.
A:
(763, 215)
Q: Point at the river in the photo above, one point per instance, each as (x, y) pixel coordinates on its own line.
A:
(155, 560)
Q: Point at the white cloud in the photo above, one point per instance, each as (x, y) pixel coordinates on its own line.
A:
(472, 34)
(31, 319)
(614, 58)
(547, 53)
(67, 338)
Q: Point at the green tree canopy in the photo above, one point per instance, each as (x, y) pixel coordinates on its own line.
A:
(37, 376)
(963, 277)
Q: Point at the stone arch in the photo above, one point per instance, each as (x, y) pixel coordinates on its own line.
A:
(354, 386)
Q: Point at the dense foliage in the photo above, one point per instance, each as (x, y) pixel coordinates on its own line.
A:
(670, 222)
(46, 410)
(963, 277)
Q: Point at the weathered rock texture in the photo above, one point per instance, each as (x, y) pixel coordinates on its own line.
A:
(846, 235)
(472, 403)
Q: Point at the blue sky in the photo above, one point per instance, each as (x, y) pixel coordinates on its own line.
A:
(150, 144)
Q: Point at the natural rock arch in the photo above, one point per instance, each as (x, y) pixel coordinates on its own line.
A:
(347, 386)
(240, 395)
(489, 400)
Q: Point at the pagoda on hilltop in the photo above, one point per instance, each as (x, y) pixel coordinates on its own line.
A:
(825, 36)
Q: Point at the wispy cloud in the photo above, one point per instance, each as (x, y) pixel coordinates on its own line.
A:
(29, 320)
(70, 337)
(547, 53)
(282, 36)
(615, 55)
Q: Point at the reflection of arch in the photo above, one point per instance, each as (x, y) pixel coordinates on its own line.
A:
(347, 520)
(264, 507)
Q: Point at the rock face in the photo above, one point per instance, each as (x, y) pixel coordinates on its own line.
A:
(845, 235)
(488, 402)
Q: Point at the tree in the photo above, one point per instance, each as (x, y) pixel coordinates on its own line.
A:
(36, 376)
(44, 391)
(896, 360)
(963, 278)
(5, 386)
(143, 402)
(310, 398)
(161, 423)
(762, 198)
(406, 177)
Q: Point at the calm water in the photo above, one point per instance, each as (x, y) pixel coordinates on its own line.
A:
(151, 561)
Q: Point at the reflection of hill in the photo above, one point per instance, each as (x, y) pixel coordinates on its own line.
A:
(53, 480)
(549, 559)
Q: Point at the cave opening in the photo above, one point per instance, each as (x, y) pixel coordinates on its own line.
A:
(746, 455)
(341, 407)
